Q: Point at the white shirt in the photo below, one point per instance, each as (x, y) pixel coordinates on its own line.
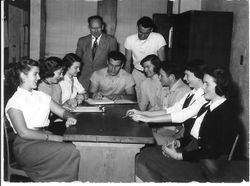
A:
(93, 40)
(142, 48)
(69, 92)
(34, 105)
(179, 115)
(197, 124)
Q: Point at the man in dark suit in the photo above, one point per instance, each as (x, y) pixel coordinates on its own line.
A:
(93, 49)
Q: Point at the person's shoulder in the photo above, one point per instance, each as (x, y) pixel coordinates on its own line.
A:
(131, 37)
(100, 72)
(83, 38)
(156, 36)
(125, 73)
(108, 37)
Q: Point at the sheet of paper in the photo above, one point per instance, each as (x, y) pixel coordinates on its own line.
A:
(105, 101)
(88, 109)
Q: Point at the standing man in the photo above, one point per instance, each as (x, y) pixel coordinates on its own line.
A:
(140, 45)
(93, 49)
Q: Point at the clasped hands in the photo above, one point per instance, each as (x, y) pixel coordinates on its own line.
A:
(169, 150)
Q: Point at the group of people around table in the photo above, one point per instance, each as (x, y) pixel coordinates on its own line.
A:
(202, 123)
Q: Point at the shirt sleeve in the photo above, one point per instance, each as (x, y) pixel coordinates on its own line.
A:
(161, 41)
(144, 97)
(127, 43)
(79, 87)
(177, 106)
(129, 82)
(189, 112)
(94, 78)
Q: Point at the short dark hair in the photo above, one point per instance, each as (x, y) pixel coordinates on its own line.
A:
(146, 22)
(172, 68)
(95, 17)
(69, 59)
(196, 66)
(49, 66)
(23, 66)
(115, 55)
(223, 80)
(154, 59)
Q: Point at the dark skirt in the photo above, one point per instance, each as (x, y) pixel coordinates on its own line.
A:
(47, 161)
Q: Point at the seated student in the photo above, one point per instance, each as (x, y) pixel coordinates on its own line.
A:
(170, 76)
(183, 111)
(42, 155)
(151, 88)
(211, 137)
(73, 92)
(51, 70)
(112, 81)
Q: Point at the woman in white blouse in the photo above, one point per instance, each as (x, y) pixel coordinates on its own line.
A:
(73, 92)
(42, 155)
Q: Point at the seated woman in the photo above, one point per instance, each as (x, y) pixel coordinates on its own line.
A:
(211, 137)
(73, 92)
(42, 155)
(51, 70)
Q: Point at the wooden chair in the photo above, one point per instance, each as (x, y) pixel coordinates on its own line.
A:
(12, 168)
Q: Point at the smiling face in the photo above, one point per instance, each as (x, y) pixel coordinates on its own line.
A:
(209, 87)
(74, 69)
(58, 74)
(149, 69)
(95, 27)
(192, 80)
(143, 33)
(114, 66)
(29, 79)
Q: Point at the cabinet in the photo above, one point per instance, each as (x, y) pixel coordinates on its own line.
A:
(204, 35)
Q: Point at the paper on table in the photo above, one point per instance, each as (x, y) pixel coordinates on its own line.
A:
(105, 101)
(88, 109)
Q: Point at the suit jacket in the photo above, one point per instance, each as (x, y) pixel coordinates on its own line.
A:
(216, 136)
(84, 50)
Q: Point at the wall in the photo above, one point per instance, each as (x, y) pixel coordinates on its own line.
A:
(240, 48)
(67, 21)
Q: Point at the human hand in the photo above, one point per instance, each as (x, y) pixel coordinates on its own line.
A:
(115, 97)
(72, 103)
(131, 112)
(79, 98)
(169, 150)
(138, 117)
(97, 96)
(70, 121)
(85, 96)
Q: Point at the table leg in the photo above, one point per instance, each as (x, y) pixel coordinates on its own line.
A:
(107, 162)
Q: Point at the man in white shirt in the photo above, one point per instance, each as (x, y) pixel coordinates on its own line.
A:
(113, 82)
(141, 44)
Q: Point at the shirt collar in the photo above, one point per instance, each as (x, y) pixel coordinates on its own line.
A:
(98, 39)
(23, 91)
(177, 84)
(107, 75)
(67, 78)
(198, 92)
(217, 103)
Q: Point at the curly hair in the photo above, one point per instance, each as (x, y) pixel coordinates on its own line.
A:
(49, 66)
(14, 70)
(69, 59)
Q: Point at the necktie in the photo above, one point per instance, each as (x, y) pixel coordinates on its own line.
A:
(94, 48)
(187, 101)
(203, 109)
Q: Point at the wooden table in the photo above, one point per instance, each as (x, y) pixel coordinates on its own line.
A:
(108, 144)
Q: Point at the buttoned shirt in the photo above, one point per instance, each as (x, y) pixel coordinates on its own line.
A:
(151, 89)
(69, 90)
(110, 85)
(93, 40)
(175, 94)
(142, 48)
(34, 105)
(197, 124)
(179, 115)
